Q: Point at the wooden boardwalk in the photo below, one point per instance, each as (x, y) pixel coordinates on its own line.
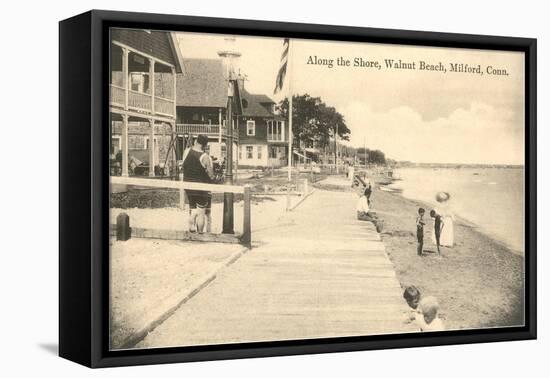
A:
(321, 274)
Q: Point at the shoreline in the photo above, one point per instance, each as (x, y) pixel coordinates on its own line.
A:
(479, 282)
(499, 234)
(465, 222)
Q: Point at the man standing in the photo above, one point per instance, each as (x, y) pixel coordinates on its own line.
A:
(197, 167)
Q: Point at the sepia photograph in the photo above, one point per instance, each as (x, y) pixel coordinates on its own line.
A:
(269, 189)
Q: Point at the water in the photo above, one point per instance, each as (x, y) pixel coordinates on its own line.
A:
(492, 198)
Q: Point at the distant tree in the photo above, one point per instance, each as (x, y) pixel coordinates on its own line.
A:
(377, 157)
(373, 156)
(312, 119)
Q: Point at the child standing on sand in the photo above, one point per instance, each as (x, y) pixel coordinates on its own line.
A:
(420, 231)
(438, 227)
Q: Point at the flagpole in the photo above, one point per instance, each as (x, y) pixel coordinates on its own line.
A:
(289, 76)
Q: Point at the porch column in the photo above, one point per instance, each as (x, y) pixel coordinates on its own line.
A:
(124, 142)
(152, 148)
(174, 93)
(236, 150)
(152, 83)
(125, 76)
(220, 126)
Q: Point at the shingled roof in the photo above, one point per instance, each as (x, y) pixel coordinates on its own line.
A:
(254, 104)
(202, 84)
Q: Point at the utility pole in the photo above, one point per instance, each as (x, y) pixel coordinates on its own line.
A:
(228, 226)
(336, 149)
(229, 56)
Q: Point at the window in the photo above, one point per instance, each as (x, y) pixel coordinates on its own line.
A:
(260, 152)
(273, 152)
(139, 82)
(146, 143)
(240, 152)
(232, 122)
(249, 151)
(250, 128)
(275, 131)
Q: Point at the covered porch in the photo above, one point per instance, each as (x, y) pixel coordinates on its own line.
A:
(142, 90)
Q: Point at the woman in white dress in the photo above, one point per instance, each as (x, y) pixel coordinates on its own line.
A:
(447, 233)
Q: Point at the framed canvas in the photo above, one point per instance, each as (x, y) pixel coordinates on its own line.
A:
(236, 188)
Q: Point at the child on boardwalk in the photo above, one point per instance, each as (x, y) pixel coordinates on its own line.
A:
(420, 231)
(428, 320)
(438, 227)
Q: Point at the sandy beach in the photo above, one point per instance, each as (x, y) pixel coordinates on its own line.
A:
(478, 282)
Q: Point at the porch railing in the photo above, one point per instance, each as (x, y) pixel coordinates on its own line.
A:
(141, 102)
(276, 138)
(117, 95)
(197, 128)
(164, 106)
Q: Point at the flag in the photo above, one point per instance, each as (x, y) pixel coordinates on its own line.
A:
(279, 82)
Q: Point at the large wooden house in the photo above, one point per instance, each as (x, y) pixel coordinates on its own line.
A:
(202, 105)
(144, 65)
(260, 139)
(263, 135)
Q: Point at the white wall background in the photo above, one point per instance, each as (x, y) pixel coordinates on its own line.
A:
(29, 190)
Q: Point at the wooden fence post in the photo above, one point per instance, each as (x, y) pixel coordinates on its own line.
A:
(123, 230)
(247, 232)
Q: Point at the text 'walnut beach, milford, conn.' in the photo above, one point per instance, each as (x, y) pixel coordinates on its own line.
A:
(398, 64)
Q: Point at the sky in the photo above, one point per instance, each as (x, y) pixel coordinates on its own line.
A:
(413, 115)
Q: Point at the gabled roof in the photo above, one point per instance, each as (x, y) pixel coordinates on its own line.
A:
(177, 52)
(159, 44)
(257, 105)
(202, 84)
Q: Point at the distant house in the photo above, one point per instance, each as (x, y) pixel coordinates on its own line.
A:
(202, 102)
(259, 135)
(142, 108)
(263, 135)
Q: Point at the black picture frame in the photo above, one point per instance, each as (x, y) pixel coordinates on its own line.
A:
(84, 188)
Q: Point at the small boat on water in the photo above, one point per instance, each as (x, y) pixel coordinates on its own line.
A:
(390, 189)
